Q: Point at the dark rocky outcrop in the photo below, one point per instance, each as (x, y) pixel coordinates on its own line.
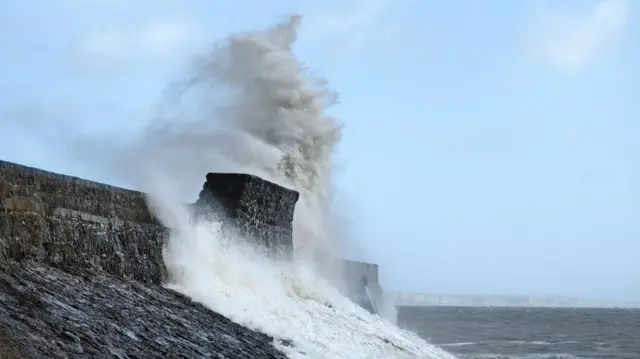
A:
(81, 267)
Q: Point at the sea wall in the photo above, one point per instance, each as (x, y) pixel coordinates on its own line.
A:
(81, 267)
(359, 282)
(67, 239)
(53, 190)
(80, 273)
(260, 211)
(72, 222)
(66, 221)
(354, 271)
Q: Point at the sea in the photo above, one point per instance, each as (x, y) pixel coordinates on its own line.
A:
(527, 333)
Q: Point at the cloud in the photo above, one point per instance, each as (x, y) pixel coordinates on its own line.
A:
(117, 46)
(574, 40)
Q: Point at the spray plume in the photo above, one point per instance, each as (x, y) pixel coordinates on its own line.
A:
(252, 107)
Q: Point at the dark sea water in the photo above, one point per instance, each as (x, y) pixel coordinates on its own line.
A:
(527, 333)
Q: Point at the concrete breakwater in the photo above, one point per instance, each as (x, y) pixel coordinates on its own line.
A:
(80, 273)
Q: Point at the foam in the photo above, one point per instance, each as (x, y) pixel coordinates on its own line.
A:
(286, 300)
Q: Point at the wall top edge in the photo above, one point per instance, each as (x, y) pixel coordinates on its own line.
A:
(65, 178)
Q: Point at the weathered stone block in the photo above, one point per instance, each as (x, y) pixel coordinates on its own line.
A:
(260, 210)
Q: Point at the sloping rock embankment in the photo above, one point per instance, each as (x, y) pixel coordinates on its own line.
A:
(49, 313)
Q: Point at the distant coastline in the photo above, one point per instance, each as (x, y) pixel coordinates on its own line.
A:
(468, 300)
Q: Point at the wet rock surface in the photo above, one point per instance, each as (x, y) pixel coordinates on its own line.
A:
(48, 313)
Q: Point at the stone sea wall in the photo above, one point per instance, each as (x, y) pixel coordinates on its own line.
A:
(355, 271)
(359, 282)
(66, 221)
(81, 269)
(67, 239)
(80, 224)
(54, 190)
(260, 210)
(80, 273)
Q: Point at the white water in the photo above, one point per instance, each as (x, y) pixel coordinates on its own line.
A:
(251, 107)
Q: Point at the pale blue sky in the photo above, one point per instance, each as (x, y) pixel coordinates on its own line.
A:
(490, 147)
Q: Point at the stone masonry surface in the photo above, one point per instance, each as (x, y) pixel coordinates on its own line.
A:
(55, 190)
(123, 249)
(262, 211)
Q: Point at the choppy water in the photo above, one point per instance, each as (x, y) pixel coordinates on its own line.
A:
(509, 333)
